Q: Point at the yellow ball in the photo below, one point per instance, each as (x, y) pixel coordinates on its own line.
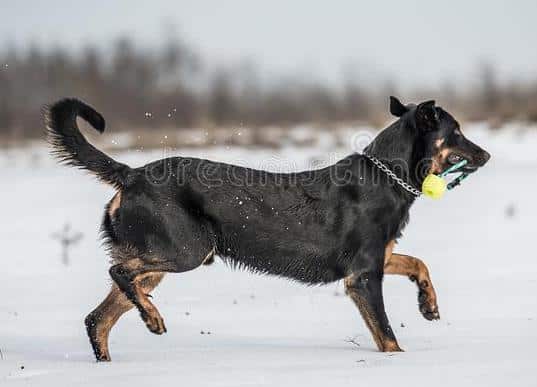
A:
(433, 186)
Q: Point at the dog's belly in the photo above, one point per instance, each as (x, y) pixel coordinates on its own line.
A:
(311, 270)
(306, 255)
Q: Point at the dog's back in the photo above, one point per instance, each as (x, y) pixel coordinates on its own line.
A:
(294, 225)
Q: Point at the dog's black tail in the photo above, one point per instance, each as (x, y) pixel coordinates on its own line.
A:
(72, 148)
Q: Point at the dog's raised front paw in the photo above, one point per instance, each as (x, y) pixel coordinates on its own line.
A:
(428, 306)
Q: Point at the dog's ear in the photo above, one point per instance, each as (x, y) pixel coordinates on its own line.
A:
(396, 107)
(426, 116)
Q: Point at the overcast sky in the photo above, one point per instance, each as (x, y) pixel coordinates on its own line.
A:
(413, 41)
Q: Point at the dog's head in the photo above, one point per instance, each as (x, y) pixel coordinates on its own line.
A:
(437, 137)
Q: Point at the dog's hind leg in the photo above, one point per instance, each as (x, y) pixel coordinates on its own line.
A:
(128, 276)
(417, 271)
(365, 288)
(101, 320)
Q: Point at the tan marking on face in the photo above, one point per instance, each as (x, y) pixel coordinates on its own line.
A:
(115, 203)
(438, 143)
(439, 160)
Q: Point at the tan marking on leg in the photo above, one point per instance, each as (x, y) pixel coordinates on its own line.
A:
(388, 250)
(115, 203)
(371, 323)
(416, 270)
(383, 343)
(105, 316)
(152, 318)
(111, 309)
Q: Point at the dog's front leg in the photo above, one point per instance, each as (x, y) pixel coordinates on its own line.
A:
(417, 271)
(365, 289)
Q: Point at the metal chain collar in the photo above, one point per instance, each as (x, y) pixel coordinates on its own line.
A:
(389, 172)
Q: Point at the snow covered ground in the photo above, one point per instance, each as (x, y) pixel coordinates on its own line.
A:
(478, 242)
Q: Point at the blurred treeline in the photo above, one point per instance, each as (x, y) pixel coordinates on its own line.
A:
(172, 87)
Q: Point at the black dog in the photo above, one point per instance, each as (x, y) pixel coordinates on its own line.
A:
(320, 226)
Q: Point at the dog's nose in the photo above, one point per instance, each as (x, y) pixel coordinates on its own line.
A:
(484, 157)
(481, 158)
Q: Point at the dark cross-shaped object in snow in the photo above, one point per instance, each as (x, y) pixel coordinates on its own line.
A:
(66, 239)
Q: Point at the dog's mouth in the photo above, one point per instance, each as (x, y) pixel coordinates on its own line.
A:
(455, 158)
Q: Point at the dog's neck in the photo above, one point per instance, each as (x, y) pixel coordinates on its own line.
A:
(395, 146)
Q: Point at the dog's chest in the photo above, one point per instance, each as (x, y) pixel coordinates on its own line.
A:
(401, 224)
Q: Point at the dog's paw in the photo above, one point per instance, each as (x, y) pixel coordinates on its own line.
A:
(428, 307)
(391, 346)
(102, 357)
(155, 323)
